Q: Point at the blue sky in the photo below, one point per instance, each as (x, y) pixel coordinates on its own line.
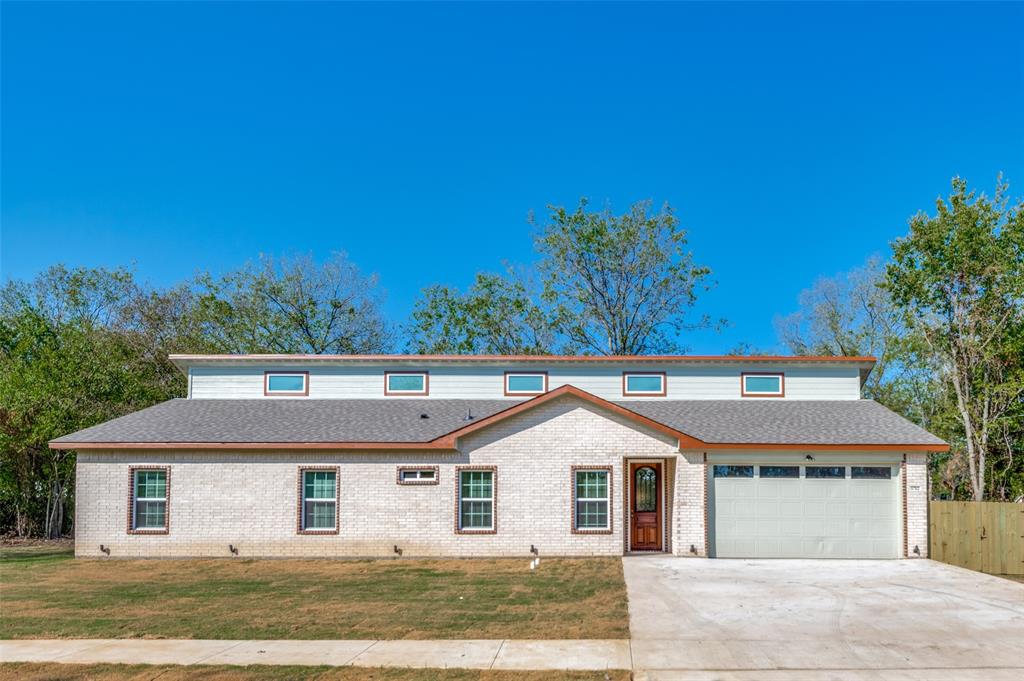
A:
(794, 140)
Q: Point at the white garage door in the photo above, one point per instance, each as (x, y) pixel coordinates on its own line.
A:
(812, 511)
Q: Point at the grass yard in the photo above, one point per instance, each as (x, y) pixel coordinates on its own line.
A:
(46, 593)
(121, 672)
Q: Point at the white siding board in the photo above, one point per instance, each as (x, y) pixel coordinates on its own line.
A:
(487, 382)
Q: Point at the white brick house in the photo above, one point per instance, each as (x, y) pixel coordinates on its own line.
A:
(353, 456)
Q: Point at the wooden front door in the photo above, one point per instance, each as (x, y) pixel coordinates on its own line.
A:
(645, 506)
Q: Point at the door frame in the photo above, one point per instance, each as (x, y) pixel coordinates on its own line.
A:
(628, 505)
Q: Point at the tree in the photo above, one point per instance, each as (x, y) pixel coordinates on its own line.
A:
(494, 316)
(620, 284)
(608, 284)
(959, 278)
(853, 315)
(69, 358)
(293, 305)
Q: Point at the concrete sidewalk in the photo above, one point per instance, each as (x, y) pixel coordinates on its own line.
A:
(651, 660)
(585, 655)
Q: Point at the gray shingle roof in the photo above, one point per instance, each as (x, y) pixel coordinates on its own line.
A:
(847, 422)
(823, 422)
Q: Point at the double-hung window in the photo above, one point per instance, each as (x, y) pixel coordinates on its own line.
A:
(591, 498)
(319, 502)
(476, 500)
(149, 500)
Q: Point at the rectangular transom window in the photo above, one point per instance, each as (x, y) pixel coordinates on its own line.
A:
(762, 385)
(149, 500)
(734, 471)
(825, 471)
(591, 499)
(417, 476)
(525, 383)
(319, 500)
(780, 471)
(406, 383)
(870, 472)
(476, 500)
(286, 383)
(643, 384)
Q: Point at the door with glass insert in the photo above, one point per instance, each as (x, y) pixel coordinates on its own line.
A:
(645, 507)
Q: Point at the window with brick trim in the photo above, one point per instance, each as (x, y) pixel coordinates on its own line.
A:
(149, 500)
(591, 499)
(476, 500)
(410, 475)
(319, 506)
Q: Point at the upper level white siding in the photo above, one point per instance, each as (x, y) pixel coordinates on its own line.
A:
(486, 381)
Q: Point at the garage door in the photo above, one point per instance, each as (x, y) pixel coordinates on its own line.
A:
(790, 511)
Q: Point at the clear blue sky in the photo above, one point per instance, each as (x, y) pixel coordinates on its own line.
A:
(181, 137)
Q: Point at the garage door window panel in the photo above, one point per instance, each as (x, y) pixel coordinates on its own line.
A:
(780, 471)
(870, 472)
(734, 471)
(825, 472)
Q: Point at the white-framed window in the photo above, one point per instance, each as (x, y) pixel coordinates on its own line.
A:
(525, 383)
(292, 383)
(762, 385)
(426, 475)
(406, 383)
(637, 383)
(319, 512)
(591, 499)
(149, 499)
(476, 500)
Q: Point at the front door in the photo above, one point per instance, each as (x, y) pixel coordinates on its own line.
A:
(645, 513)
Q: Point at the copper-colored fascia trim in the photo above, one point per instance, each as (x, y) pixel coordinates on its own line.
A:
(248, 445)
(809, 446)
(530, 358)
(448, 444)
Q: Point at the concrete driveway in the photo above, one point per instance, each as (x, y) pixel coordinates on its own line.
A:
(816, 619)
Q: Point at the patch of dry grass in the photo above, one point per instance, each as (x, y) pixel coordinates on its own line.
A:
(120, 672)
(50, 595)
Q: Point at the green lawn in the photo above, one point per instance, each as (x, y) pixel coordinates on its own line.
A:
(46, 593)
(140, 672)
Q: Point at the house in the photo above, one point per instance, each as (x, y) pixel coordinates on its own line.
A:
(361, 456)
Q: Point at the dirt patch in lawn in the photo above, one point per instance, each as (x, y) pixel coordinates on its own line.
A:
(119, 672)
(54, 596)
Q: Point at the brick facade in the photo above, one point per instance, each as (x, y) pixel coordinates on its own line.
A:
(249, 499)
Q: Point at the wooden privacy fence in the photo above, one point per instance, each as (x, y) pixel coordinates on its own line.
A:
(987, 536)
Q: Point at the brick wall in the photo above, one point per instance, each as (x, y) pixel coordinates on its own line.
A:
(249, 499)
(917, 504)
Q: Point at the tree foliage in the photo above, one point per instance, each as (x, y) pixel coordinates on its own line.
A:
(608, 285)
(294, 305)
(81, 346)
(945, 318)
(959, 276)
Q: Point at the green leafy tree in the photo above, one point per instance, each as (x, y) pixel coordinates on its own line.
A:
(959, 278)
(293, 305)
(494, 316)
(608, 284)
(69, 358)
(620, 284)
